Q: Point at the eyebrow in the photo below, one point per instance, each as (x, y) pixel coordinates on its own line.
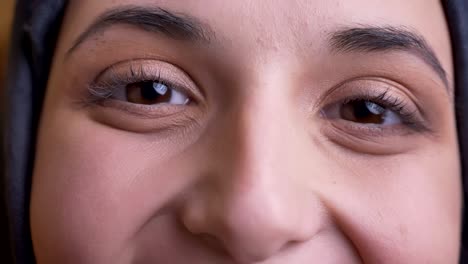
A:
(152, 19)
(184, 27)
(387, 38)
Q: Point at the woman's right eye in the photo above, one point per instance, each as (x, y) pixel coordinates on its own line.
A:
(143, 90)
(154, 92)
(148, 83)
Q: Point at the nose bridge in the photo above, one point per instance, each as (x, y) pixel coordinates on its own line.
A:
(259, 214)
(258, 206)
(262, 130)
(265, 120)
(258, 185)
(259, 165)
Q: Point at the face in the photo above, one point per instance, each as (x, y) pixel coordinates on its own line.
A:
(248, 132)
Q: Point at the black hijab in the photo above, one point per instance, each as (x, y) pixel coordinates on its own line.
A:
(36, 27)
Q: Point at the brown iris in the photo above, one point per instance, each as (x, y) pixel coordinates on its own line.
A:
(361, 111)
(148, 93)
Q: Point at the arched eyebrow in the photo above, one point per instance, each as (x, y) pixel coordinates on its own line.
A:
(152, 19)
(387, 38)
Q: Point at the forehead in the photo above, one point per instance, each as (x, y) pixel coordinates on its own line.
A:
(273, 25)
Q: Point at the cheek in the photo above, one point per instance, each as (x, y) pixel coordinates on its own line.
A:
(406, 211)
(94, 187)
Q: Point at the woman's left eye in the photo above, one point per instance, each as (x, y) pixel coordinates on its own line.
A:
(365, 112)
(154, 92)
(368, 112)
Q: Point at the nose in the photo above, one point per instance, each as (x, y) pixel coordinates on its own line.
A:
(255, 200)
(252, 224)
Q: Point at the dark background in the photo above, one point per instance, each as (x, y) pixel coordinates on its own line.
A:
(6, 16)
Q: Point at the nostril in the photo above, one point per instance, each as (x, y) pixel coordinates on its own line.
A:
(214, 243)
(195, 230)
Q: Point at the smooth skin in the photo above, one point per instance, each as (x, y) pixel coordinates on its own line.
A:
(267, 161)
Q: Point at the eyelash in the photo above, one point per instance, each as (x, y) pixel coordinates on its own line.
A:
(392, 103)
(100, 91)
(409, 117)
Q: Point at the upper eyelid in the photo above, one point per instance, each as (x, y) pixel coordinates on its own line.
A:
(389, 84)
(132, 73)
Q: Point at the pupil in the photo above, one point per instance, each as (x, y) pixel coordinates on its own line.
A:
(152, 90)
(362, 110)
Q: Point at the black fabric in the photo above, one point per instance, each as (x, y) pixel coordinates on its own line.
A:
(36, 28)
(35, 31)
(457, 17)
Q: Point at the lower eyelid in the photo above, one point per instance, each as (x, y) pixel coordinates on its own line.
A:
(141, 111)
(178, 122)
(366, 131)
(372, 141)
